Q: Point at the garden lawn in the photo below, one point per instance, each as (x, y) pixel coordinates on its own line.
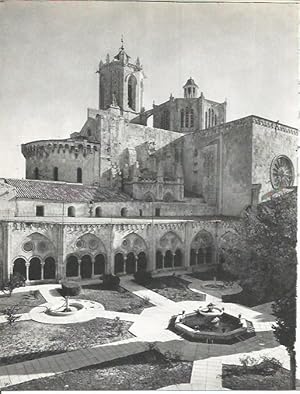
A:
(235, 378)
(144, 371)
(175, 289)
(119, 300)
(25, 301)
(27, 340)
(244, 298)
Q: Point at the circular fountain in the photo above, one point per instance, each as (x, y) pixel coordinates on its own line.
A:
(211, 311)
(65, 310)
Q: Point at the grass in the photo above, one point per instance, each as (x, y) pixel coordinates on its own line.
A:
(25, 301)
(235, 378)
(144, 371)
(119, 300)
(210, 275)
(175, 289)
(27, 340)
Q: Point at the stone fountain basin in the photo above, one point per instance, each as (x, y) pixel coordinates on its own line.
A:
(200, 335)
(74, 306)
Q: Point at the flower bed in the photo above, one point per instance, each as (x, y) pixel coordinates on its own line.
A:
(25, 301)
(175, 289)
(144, 371)
(27, 340)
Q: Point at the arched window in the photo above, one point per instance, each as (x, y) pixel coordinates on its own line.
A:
(72, 266)
(98, 212)
(71, 211)
(192, 118)
(132, 92)
(182, 118)
(141, 212)
(206, 123)
(124, 212)
(157, 211)
(36, 173)
(55, 173)
(20, 267)
(209, 117)
(89, 133)
(216, 120)
(35, 269)
(186, 117)
(212, 117)
(99, 265)
(49, 268)
(79, 175)
(159, 260)
(119, 263)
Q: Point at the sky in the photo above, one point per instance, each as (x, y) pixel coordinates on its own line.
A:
(246, 53)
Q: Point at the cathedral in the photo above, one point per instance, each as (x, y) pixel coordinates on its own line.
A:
(120, 196)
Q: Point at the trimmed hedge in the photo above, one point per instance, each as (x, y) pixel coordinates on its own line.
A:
(142, 277)
(110, 281)
(70, 289)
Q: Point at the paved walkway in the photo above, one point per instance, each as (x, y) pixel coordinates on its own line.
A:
(151, 327)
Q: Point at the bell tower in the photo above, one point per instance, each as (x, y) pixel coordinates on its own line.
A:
(121, 82)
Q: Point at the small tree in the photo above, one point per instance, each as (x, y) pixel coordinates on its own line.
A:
(285, 329)
(8, 286)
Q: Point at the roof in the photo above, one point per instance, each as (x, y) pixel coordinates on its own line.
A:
(190, 81)
(64, 192)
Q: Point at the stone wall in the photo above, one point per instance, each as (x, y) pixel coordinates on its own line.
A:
(27, 208)
(271, 140)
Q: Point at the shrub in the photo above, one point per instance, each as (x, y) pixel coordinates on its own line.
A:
(8, 286)
(142, 277)
(110, 281)
(70, 289)
(11, 314)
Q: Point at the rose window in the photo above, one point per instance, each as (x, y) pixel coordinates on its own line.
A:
(282, 172)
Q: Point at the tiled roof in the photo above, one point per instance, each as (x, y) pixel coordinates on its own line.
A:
(63, 191)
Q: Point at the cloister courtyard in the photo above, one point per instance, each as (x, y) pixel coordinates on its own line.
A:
(121, 338)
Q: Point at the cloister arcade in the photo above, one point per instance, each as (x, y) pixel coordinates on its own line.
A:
(36, 259)
(202, 249)
(89, 258)
(170, 252)
(131, 255)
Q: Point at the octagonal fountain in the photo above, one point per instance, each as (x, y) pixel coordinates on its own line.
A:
(212, 324)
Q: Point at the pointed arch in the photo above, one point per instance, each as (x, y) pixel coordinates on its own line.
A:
(202, 248)
(149, 197)
(170, 241)
(132, 85)
(89, 244)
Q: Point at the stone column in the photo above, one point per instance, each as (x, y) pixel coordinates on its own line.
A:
(163, 261)
(93, 267)
(27, 271)
(78, 271)
(42, 269)
(135, 263)
(197, 252)
(124, 265)
(173, 260)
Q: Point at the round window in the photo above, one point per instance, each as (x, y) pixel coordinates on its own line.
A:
(282, 172)
(28, 246)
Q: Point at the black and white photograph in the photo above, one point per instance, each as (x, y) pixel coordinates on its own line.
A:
(148, 195)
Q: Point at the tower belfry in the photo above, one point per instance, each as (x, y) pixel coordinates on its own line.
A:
(122, 80)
